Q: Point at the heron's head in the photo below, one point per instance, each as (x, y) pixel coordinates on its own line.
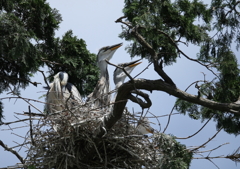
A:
(107, 52)
(144, 126)
(119, 75)
(63, 77)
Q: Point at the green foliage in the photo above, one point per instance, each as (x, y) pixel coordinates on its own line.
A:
(225, 88)
(21, 23)
(183, 107)
(27, 30)
(164, 24)
(31, 167)
(174, 154)
(176, 20)
(218, 52)
(71, 55)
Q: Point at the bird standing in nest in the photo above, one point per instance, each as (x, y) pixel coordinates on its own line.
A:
(61, 91)
(100, 97)
(143, 125)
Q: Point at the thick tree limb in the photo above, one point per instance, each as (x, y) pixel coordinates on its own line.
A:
(157, 66)
(160, 85)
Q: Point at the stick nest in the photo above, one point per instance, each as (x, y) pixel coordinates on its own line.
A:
(67, 139)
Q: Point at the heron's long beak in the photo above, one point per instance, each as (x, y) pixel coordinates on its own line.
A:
(114, 47)
(134, 63)
(150, 130)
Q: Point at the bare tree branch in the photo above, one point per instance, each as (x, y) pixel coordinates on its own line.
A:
(31, 130)
(195, 132)
(12, 151)
(139, 101)
(8, 78)
(176, 46)
(22, 120)
(207, 141)
(44, 77)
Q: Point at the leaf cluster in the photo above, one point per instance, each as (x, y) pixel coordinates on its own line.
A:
(175, 154)
(214, 27)
(71, 55)
(27, 42)
(21, 24)
(175, 20)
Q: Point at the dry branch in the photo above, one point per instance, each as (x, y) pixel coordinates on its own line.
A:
(12, 151)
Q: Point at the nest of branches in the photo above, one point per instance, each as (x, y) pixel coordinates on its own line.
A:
(68, 139)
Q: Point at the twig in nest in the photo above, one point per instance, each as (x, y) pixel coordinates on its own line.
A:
(33, 114)
(7, 123)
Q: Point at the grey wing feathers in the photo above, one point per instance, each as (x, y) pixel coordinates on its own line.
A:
(75, 93)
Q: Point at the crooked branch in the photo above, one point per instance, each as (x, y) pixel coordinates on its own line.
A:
(139, 101)
(12, 151)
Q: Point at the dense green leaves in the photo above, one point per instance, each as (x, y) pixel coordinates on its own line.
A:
(225, 89)
(162, 23)
(165, 24)
(174, 154)
(21, 24)
(27, 41)
(71, 55)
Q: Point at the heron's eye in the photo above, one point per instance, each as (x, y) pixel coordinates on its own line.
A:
(121, 65)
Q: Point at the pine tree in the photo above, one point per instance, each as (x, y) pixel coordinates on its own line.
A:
(214, 27)
(27, 42)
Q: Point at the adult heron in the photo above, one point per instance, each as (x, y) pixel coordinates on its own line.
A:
(60, 92)
(100, 96)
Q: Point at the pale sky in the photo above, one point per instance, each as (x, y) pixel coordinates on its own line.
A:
(94, 22)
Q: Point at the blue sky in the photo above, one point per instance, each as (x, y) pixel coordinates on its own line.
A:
(94, 22)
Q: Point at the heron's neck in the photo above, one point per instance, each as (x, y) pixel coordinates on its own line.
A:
(103, 69)
(104, 76)
(118, 84)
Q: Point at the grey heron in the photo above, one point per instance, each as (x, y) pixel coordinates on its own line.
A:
(119, 75)
(143, 125)
(100, 96)
(60, 91)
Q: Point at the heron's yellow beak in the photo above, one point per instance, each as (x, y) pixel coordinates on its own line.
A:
(114, 47)
(150, 130)
(135, 64)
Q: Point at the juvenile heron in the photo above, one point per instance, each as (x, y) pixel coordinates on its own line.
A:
(100, 97)
(143, 125)
(119, 75)
(61, 91)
